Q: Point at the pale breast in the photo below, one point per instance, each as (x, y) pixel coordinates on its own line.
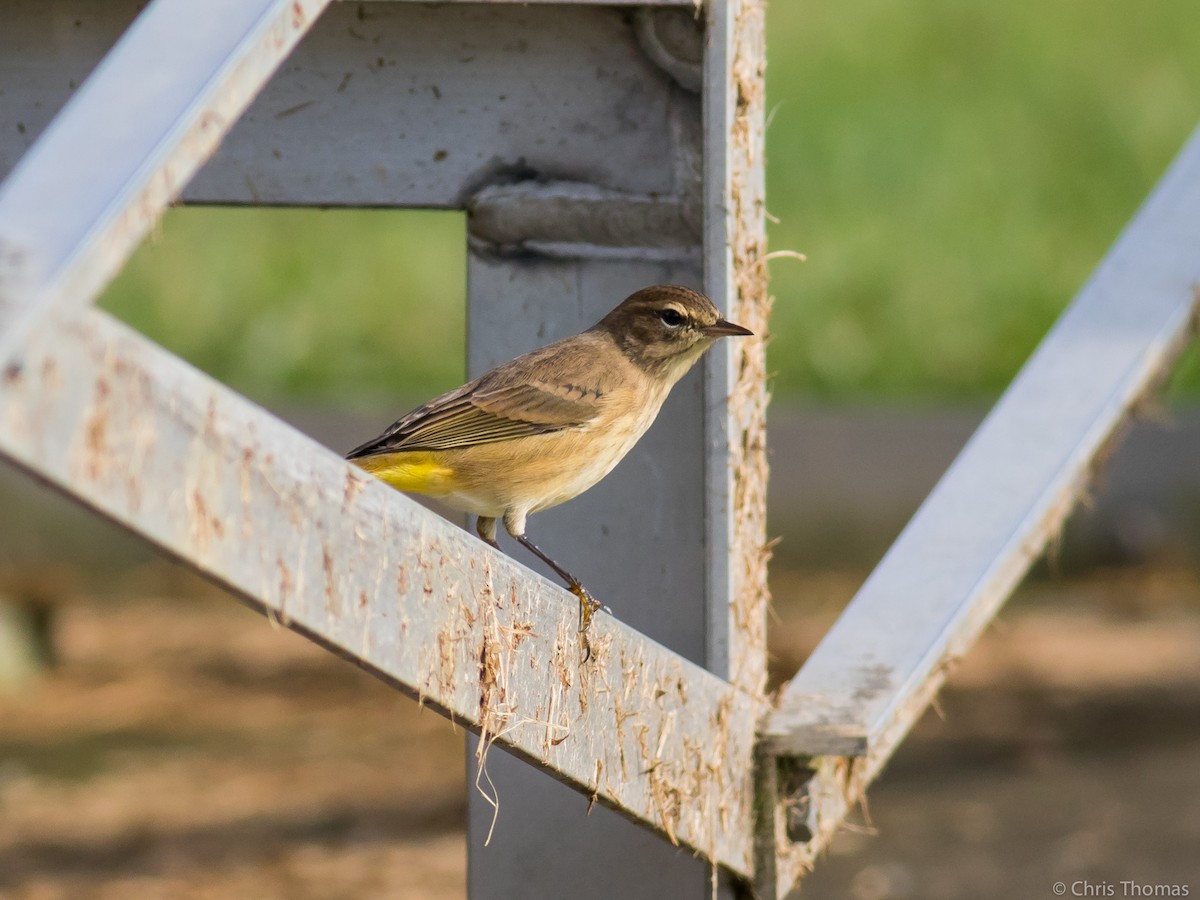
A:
(598, 448)
(537, 472)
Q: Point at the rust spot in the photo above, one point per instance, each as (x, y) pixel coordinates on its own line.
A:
(96, 442)
(298, 16)
(285, 578)
(210, 417)
(331, 597)
(363, 600)
(440, 155)
(351, 489)
(205, 525)
(12, 373)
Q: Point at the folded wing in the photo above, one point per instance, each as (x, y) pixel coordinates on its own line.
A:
(484, 413)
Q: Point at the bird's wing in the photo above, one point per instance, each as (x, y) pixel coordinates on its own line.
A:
(486, 411)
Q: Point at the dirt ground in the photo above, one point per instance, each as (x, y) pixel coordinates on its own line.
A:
(185, 748)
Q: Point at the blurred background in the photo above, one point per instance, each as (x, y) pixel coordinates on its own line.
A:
(953, 172)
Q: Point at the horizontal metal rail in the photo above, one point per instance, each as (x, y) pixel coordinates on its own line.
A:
(990, 517)
(142, 437)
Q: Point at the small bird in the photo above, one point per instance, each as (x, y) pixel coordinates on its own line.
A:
(545, 427)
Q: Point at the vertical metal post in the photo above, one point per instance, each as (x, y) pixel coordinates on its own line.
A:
(637, 540)
(673, 539)
(735, 275)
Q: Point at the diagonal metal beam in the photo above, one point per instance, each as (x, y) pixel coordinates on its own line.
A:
(140, 436)
(122, 149)
(992, 514)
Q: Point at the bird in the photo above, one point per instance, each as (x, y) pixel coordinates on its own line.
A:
(543, 428)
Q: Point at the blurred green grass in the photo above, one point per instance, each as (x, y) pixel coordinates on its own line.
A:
(952, 170)
(345, 307)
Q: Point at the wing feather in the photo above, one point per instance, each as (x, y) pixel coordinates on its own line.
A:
(483, 412)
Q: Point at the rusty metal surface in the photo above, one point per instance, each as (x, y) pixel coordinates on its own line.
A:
(95, 181)
(1003, 499)
(160, 448)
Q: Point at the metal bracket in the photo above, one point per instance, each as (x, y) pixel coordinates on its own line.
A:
(566, 219)
(674, 41)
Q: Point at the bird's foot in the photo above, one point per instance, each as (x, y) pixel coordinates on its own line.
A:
(588, 607)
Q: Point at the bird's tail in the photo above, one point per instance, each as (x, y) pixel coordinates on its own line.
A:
(415, 471)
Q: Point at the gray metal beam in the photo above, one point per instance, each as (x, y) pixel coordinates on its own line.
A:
(140, 436)
(424, 105)
(71, 212)
(399, 104)
(637, 540)
(687, 497)
(988, 519)
(735, 249)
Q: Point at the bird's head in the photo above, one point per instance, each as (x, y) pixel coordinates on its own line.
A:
(664, 329)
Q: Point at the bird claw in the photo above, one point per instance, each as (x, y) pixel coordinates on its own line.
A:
(588, 607)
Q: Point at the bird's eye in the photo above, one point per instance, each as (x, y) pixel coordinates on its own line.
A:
(672, 318)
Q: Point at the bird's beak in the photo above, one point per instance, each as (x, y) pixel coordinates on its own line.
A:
(721, 328)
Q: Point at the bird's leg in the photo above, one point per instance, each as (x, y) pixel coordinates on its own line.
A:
(588, 605)
(485, 527)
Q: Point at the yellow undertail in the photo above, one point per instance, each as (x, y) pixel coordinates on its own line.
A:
(419, 472)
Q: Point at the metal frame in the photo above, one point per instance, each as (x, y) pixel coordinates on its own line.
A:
(590, 147)
(665, 184)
